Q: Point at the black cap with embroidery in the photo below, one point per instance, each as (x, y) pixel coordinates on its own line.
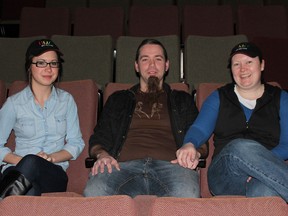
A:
(246, 48)
(38, 47)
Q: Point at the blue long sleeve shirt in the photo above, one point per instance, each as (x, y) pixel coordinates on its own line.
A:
(204, 125)
(49, 129)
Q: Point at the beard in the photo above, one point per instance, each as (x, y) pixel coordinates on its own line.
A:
(153, 84)
(154, 89)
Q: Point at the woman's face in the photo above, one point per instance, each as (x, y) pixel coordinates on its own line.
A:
(44, 74)
(246, 70)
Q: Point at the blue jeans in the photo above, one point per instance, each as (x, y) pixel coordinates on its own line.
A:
(145, 177)
(44, 176)
(242, 158)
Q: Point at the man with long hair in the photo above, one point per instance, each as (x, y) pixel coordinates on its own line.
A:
(138, 139)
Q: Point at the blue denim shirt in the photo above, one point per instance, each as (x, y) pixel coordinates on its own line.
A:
(49, 129)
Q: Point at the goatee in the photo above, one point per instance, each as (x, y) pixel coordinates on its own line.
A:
(154, 89)
(153, 84)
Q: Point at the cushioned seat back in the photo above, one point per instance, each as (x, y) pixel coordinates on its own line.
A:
(64, 206)
(220, 206)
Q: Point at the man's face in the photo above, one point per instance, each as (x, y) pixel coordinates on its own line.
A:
(151, 62)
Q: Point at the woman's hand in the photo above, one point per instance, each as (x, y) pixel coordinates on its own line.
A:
(45, 156)
(187, 156)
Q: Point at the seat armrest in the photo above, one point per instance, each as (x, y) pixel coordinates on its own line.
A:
(89, 162)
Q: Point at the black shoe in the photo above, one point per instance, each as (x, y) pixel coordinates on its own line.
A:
(14, 183)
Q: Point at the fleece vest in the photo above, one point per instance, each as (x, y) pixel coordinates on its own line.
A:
(263, 125)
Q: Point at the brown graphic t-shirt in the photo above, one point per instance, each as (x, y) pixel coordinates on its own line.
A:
(150, 133)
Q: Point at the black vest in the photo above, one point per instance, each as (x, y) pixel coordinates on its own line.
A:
(263, 126)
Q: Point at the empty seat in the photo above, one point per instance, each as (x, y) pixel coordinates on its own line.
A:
(3, 93)
(11, 9)
(207, 21)
(85, 93)
(266, 21)
(206, 58)
(125, 58)
(89, 57)
(145, 21)
(153, 2)
(274, 54)
(70, 4)
(95, 21)
(12, 55)
(182, 3)
(44, 21)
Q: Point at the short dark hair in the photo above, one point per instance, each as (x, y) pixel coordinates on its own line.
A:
(151, 41)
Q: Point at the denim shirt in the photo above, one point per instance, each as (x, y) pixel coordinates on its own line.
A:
(49, 129)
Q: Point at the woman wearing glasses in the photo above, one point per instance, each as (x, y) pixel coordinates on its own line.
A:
(46, 126)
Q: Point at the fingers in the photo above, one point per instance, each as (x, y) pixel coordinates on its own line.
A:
(187, 157)
(108, 162)
(45, 156)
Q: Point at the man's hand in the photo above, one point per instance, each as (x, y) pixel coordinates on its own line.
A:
(187, 156)
(104, 159)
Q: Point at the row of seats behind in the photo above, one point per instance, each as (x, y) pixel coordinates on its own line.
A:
(253, 21)
(203, 59)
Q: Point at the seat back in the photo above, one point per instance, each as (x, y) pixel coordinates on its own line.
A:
(275, 59)
(72, 5)
(265, 21)
(44, 21)
(125, 58)
(86, 57)
(12, 55)
(85, 94)
(94, 21)
(11, 9)
(73, 206)
(207, 20)
(151, 21)
(153, 2)
(206, 58)
(113, 87)
(3, 93)
(224, 206)
(203, 91)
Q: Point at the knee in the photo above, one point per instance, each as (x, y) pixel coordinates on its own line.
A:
(245, 147)
(29, 164)
(29, 160)
(95, 187)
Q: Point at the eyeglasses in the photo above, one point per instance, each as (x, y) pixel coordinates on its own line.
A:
(43, 64)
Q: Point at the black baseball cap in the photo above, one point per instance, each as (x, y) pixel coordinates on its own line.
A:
(246, 48)
(38, 47)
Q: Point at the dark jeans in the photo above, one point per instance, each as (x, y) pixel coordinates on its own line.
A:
(45, 176)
